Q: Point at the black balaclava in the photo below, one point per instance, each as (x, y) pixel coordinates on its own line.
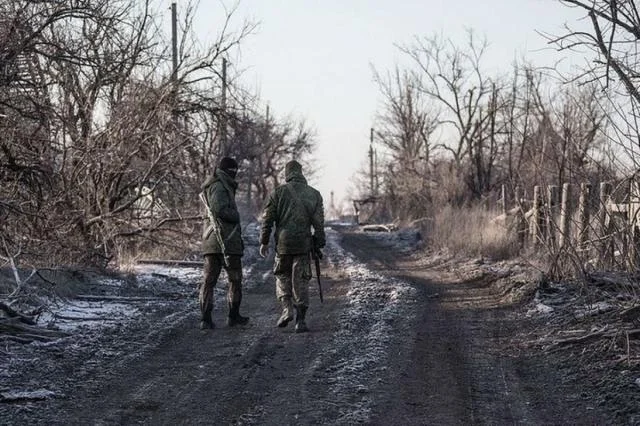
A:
(229, 166)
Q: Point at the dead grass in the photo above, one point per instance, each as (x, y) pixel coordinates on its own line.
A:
(179, 248)
(473, 231)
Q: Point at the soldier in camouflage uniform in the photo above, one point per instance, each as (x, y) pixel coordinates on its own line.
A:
(222, 244)
(294, 208)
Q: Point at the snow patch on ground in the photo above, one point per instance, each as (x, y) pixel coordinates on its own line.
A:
(75, 314)
(376, 307)
(97, 313)
(111, 282)
(13, 396)
(147, 274)
(594, 309)
(405, 240)
(541, 309)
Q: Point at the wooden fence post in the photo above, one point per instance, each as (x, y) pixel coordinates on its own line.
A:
(605, 251)
(550, 217)
(521, 221)
(534, 225)
(565, 214)
(583, 213)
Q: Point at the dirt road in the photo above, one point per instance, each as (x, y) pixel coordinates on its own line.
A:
(399, 340)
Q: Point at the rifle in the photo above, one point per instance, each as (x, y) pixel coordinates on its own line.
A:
(214, 227)
(317, 255)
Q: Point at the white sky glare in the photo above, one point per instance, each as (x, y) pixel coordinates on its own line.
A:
(312, 58)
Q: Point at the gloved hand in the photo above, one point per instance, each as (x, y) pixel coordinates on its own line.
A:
(317, 251)
(264, 250)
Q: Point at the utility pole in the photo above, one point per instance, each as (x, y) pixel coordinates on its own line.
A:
(174, 41)
(332, 207)
(264, 135)
(371, 173)
(251, 158)
(223, 117)
(375, 171)
(174, 59)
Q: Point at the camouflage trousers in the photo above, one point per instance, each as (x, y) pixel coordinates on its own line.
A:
(213, 264)
(293, 272)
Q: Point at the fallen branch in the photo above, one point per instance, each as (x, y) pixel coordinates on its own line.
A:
(376, 228)
(13, 326)
(14, 269)
(194, 263)
(580, 339)
(124, 299)
(39, 338)
(68, 318)
(16, 339)
(15, 314)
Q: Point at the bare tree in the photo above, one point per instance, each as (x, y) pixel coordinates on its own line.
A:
(265, 144)
(452, 76)
(113, 127)
(403, 129)
(281, 140)
(612, 41)
(611, 45)
(556, 131)
(521, 129)
(468, 101)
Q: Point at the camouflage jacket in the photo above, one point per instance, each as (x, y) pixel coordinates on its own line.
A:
(220, 192)
(294, 208)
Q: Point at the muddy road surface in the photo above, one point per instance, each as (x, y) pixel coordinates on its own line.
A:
(400, 339)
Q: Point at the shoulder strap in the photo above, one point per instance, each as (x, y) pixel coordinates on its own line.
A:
(205, 201)
(297, 200)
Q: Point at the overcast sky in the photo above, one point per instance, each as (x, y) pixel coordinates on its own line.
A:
(312, 58)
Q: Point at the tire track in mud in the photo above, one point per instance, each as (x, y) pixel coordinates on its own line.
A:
(459, 362)
(360, 351)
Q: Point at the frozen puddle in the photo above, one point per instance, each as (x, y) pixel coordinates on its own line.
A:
(108, 310)
(72, 315)
(154, 284)
(147, 275)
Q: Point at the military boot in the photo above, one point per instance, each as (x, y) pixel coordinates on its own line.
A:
(301, 325)
(207, 321)
(287, 312)
(234, 317)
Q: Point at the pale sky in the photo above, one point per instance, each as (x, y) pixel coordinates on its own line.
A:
(312, 58)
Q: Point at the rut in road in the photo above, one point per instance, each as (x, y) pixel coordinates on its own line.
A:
(459, 362)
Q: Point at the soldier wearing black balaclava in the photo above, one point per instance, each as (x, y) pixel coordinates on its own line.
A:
(222, 244)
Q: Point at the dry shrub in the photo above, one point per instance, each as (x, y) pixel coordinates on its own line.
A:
(182, 245)
(473, 231)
